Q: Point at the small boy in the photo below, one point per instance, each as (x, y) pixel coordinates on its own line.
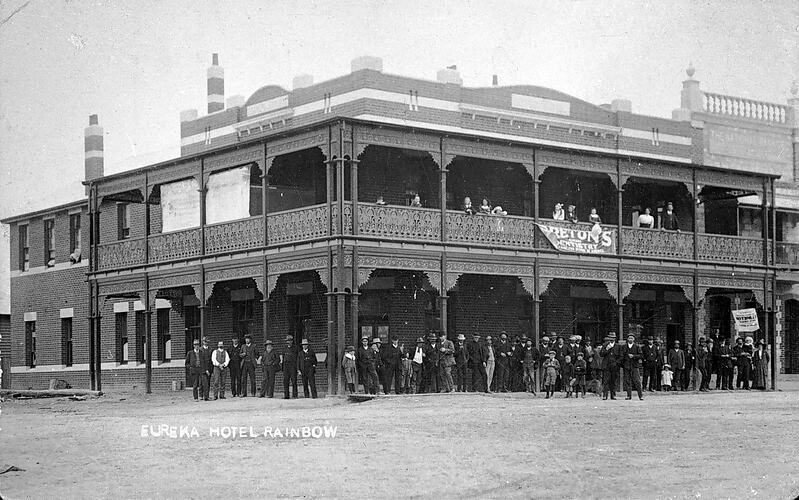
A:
(580, 367)
(406, 374)
(665, 378)
(567, 374)
(551, 368)
(348, 363)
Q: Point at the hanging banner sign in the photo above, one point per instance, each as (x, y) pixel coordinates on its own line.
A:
(746, 320)
(580, 240)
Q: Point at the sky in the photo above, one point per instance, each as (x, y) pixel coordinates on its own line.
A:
(137, 64)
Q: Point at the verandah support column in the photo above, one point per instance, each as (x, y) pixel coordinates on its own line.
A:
(765, 216)
(203, 304)
(695, 194)
(772, 299)
(148, 362)
(354, 292)
(444, 296)
(443, 189)
(619, 301)
(201, 192)
(92, 268)
(341, 311)
(773, 275)
(619, 213)
(536, 309)
(265, 264)
(91, 336)
(696, 305)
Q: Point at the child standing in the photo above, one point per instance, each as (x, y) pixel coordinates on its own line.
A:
(580, 367)
(567, 374)
(551, 368)
(348, 363)
(406, 374)
(665, 378)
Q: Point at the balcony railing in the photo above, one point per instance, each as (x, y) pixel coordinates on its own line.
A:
(121, 254)
(234, 236)
(722, 248)
(657, 243)
(408, 224)
(176, 245)
(739, 107)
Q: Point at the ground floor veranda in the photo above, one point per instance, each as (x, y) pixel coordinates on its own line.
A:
(401, 297)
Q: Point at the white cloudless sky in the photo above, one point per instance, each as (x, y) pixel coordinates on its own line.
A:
(137, 64)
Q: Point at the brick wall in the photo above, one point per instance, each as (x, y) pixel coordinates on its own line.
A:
(391, 172)
(485, 304)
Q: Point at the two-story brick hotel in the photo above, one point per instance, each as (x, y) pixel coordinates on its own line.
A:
(268, 224)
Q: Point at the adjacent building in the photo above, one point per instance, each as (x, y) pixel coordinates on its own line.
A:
(269, 224)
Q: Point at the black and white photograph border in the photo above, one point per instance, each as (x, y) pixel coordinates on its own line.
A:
(494, 249)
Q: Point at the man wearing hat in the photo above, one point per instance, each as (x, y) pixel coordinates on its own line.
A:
(703, 362)
(308, 369)
(544, 346)
(417, 359)
(235, 367)
(248, 355)
(503, 351)
(461, 362)
(669, 221)
(372, 364)
(377, 351)
(477, 356)
(446, 360)
(631, 356)
(610, 366)
(221, 359)
(391, 358)
(208, 367)
(361, 355)
(430, 364)
(289, 364)
(491, 362)
(724, 354)
(650, 362)
(196, 365)
(348, 365)
(270, 364)
(677, 362)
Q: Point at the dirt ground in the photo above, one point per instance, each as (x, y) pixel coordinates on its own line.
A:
(718, 445)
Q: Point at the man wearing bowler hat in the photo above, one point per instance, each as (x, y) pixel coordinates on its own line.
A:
(610, 366)
(221, 360)
(196, 366)
(289, 364)
(631, 356)
(504, 351)
(478, 356)
(392, 365)
(308, 369)
(430, 364)
(235, 367)
(248, 355)
(446, 360)
(650, 362)
(207, 366)
(270, 364)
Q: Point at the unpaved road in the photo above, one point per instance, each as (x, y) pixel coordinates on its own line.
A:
(720, 445)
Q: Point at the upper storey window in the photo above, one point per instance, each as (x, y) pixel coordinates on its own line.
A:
(49, 242)
(74, 238)
(123, 221)
(24, 248)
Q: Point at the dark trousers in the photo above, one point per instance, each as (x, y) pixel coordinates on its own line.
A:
(479, 377)
(502, 376)
(235, 378)
(289, 376)
(197, 381)
(268, 384)
(248, 370)
(460, 375)
(205, 385)
(650, 377)
(705, 379)
(390, 376)
(633, 381)
(610, 378)
(726, 377)
(219, 381)
(744, 375)
(309, 380)
(416, 378)
(676, 381)
(430, 376)
(371, 384)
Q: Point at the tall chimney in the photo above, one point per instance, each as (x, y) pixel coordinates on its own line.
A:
(216, 86)
(494, 81)
(93, 147)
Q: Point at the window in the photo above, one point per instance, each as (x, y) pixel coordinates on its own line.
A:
(642, 315)
(24, 249)
(74, 238)
(121, 337)
(242, 316)
(66, 341)
(49, 242)
(141, 337)
(123, 221)
(30, 343)
(164, 336)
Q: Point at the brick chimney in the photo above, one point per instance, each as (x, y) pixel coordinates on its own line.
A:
(216, 86)
(93, 147)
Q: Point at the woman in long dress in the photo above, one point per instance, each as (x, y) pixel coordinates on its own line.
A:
(760, 361)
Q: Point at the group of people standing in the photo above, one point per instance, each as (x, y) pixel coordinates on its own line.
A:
(210, 369)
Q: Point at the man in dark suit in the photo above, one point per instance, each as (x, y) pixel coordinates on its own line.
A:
(478, 357)
(631, 356)
(430, 364)
(270, 364)
(248, 355)
(207, 367)
(197, 367)
(392, 369)
(668, 220)
(235, 368)
(503, 351)
(289, 364)
(361, 356)
(677, 362)
(650, 362)
(610, 366)
(725, 364)
(307, 360)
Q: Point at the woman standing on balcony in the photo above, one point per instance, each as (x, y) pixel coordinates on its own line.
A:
(645, 220)
(485, 207)
(416, 201)
(558, 213)
(571, 215)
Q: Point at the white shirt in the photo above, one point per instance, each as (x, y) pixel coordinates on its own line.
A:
(417, 358)
(645, 220)
(217, 363)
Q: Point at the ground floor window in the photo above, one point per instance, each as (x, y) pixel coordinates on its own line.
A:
(121, 337)
(141, 337)
(66, 341)
(164, 335)
(30, 343)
